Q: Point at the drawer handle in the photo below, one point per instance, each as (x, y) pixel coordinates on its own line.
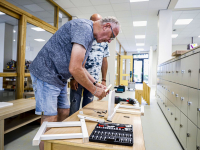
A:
(177, 71)
(172, 93)
(182, 98)
(189, 71)
(176, 95)
(175, 118)
(165, 105)
(171, 113)
(198, 109)
(182, 71)
(198, 147)
(169, 72)
(188, 134)
(189, 103)
(181, 125)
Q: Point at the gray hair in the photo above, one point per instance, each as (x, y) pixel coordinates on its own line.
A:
(110, 19)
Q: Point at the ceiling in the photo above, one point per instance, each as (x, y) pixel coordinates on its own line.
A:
(125, 12)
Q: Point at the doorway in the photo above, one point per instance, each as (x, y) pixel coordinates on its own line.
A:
(140, 68)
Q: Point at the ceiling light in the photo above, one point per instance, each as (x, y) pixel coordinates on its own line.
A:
(139, 36)
(183, 21)
(139, 44)
(138, 0)
(14, 40)
(39, 40)
(14, 31)
(174, 35)
(38, 29)
(199, 36)
(60, 15)
(140, 49)
(139, 23)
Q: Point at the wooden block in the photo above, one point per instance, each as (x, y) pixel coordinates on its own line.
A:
(179, 52)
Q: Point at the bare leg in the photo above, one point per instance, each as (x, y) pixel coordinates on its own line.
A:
(49, 119)
(62, 114)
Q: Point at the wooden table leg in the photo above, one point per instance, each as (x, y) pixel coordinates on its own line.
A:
(47, 145)
(2, 134)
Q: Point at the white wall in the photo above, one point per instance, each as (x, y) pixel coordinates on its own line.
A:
(178, 47)
(2, 34)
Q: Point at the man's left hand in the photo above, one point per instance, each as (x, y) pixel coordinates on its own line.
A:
(103, 83)
(101, 86)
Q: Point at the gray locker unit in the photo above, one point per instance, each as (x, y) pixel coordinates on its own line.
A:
(178, 93)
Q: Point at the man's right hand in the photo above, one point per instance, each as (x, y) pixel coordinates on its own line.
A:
(100, 93)
(73, 84)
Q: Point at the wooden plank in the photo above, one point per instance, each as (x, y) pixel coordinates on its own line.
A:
(27, 74)
(8, 74)
(178, 52)
(8, 12)
(19, 123)
(47, 145)
(56, 16)
(21, 56)
(76, 144)
(2, 134)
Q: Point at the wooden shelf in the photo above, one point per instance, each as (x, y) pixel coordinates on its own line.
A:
(18, 122)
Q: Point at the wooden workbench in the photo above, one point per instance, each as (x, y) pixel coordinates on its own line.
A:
(19, 114)
(77, 144)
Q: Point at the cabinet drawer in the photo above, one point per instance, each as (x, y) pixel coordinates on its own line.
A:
(178, 71)
(177, 94)
(184, 74)
(191, 136)
(184, 99)
(177, 120)
(193, 70)
(198, 139)
(172, 116)
(193, 102)
(198, 113)
(183, 130)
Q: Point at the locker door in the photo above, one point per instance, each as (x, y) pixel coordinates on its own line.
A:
(184, 74)
(198, 112)
(183, 130)
(177, 95)
(172, 116)
(191, 136)
(178, 71)
(184, 99)
(170, 72)
(173, 77)
(198, 140)
(193, 70)
(172, 92)
(193, 102)
(168, 111)
(177, 119)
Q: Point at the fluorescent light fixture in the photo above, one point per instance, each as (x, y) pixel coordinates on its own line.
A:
(60, 15)
(39, 40)
(174, 35)
(199, 36)
(183, 21)
(14, 40)
(139, 44)
(138, 0)
(14, 31)
(1, 13)
(140, 36)
(139, 23)
(140, 49)
(38, 29)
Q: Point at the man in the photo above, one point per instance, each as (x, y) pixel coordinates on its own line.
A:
(63, 56)
(96, 61)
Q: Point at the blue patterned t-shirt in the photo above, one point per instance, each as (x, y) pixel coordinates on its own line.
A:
(94, 61)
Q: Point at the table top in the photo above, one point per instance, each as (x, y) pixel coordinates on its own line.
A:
(134, 120)
(19, 106)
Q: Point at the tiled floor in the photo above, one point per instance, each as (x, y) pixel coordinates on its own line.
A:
(157, 132)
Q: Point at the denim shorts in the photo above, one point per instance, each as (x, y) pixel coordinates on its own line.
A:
(48, 97)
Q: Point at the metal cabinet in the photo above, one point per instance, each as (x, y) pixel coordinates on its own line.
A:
(191, 136)
(198, 140)
(177, 74)
(193, 102)
(198, 113)
(177, 120)
(183, 130)
(193, 70)
(177, 94)
(184, 74)
(173, 73)
(172, 115)
(184, 99)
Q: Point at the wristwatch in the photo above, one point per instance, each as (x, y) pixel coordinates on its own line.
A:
(103, 80)
(95, 82)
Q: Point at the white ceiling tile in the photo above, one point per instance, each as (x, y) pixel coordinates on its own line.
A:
(121, 6)
(139, 30)
(104, 8)
(38, 1)
(12, 2)
(86, 10)
(124, 19)
(46, 6)
(85, 16)
(65, 3)
(126, 24)
(23, 2)
(73, 11)
(44, 14)
(120, 1)
(80, 3)
(123, 13)
(140, 5)
(187, 16)
(158, 4)
(108, 14)
(99, 2)
(34, 7)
